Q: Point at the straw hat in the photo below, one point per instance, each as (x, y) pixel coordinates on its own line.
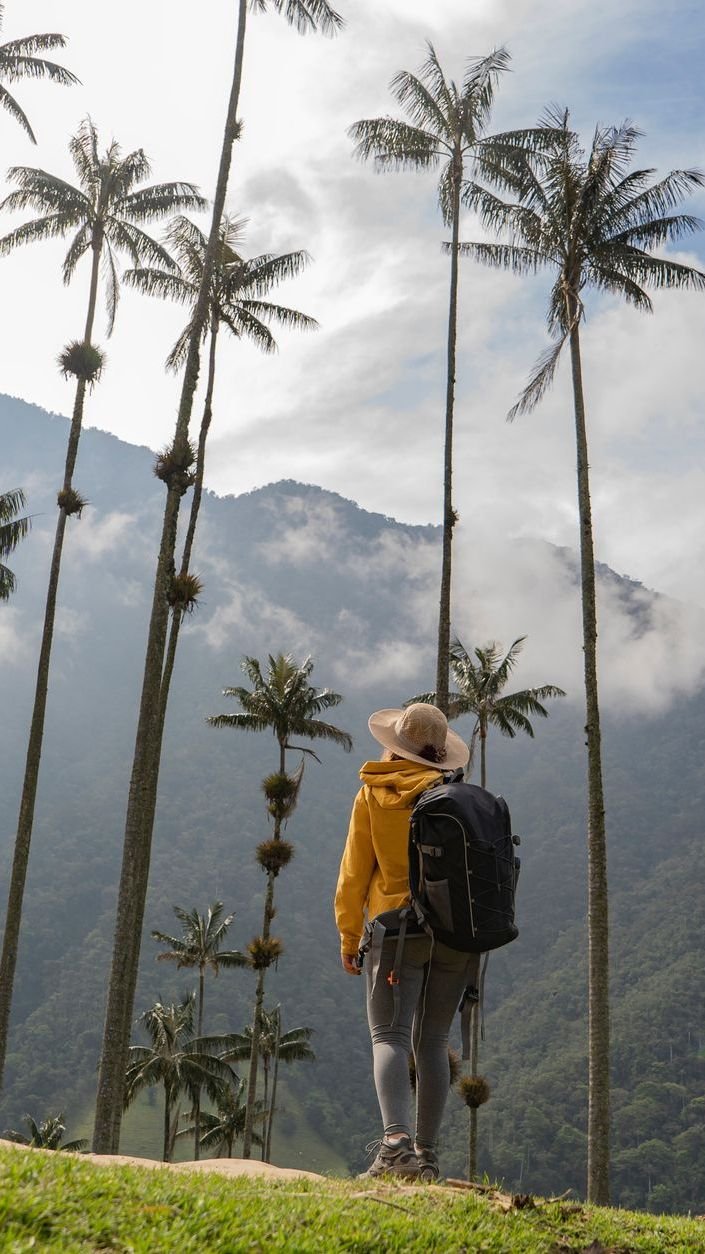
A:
(420, 733)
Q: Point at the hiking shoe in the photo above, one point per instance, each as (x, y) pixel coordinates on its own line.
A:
(398, 1159)
(428, 1165)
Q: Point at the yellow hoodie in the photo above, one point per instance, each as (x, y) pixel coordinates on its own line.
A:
(374, 872)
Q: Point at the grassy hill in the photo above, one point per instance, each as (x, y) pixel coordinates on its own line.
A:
(55, 1202)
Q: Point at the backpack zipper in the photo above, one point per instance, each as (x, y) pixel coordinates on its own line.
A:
(467, 868)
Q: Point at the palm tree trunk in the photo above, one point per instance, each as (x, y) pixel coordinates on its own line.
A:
(265, 1070)
(167, 1124)
(178, 615)
(483, 755)
(8, 959)
(197, 1102)
(448, 512)
(259, 994)
(270, 1115)
(139, 821)
(474, 1058)
(598, 933)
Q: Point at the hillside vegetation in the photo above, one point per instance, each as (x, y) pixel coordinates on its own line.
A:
(298, 569)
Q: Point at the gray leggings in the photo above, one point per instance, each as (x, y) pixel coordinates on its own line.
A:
(431, 986)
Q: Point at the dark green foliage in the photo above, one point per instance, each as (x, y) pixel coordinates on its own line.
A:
(174, 464)
(274, 855)
(13, 529)
(184, 592)
(532, 1132)
(82, 361)
(474, 1090)
(47, 1134)
(264, 951)
(18, 61)
(71, 502)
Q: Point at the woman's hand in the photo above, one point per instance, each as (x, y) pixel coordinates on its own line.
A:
(350, 964)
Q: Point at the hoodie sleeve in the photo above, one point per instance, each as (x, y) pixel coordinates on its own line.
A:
(356, 869)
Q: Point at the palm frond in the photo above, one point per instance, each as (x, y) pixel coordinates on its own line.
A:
(504, 256)
(305, 16)
(162, 283)
(10, 105)
(281, 314)
(112, 285)
(148, 204)
(420, 104)
(540, 380)
(395, 145)
(54, 226)
(479, 85)
(37, 189)
(257, 276)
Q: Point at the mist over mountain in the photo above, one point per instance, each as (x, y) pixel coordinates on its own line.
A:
(293, 567)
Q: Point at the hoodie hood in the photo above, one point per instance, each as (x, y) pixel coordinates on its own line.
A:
(396, 785)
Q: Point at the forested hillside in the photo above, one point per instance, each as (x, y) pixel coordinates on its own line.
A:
(291, 567)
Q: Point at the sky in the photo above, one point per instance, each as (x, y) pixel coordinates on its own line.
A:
(357, 406)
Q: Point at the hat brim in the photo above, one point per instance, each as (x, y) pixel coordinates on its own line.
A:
(382, 726)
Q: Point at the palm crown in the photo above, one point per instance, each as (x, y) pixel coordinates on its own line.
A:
(284, 702)
(236, 286)
(47, 1134)
(445, 128)
(201, 940)
(480, 691)
(589, 217)
(18, 60)
(105, 211)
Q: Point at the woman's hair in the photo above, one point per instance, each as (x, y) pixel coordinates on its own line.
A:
(429, 752)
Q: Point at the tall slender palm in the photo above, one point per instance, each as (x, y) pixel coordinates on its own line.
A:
(227, 1124)
(285, 703)
(104, 215)
(200, 946)
(177, 1059)
(592, 220)
(304, 15)
(235, 305)
(445, 130)
(47, 1134)
(274, 1047)
(480, 692)
(18, 61)
(13, 529)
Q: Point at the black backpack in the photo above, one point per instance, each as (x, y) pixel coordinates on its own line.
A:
(462, 866)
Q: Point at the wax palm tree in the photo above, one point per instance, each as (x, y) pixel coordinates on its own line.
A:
(18, 61)
(176, 1059)
(48, 1134)
(304, 15)
(592, 220)
(104, 215)
(227, 1124)
(200, 946)
(285, 703)
(446, 131)
(480, 684)
(235, 305)
(274, 1047)
(12, 530)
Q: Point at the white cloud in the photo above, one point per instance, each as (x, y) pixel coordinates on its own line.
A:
(15, 642)
(96, 536)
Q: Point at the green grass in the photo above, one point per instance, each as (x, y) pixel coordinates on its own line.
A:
(61, 1203)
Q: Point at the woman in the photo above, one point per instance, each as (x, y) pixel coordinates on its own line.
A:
(374, 878)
